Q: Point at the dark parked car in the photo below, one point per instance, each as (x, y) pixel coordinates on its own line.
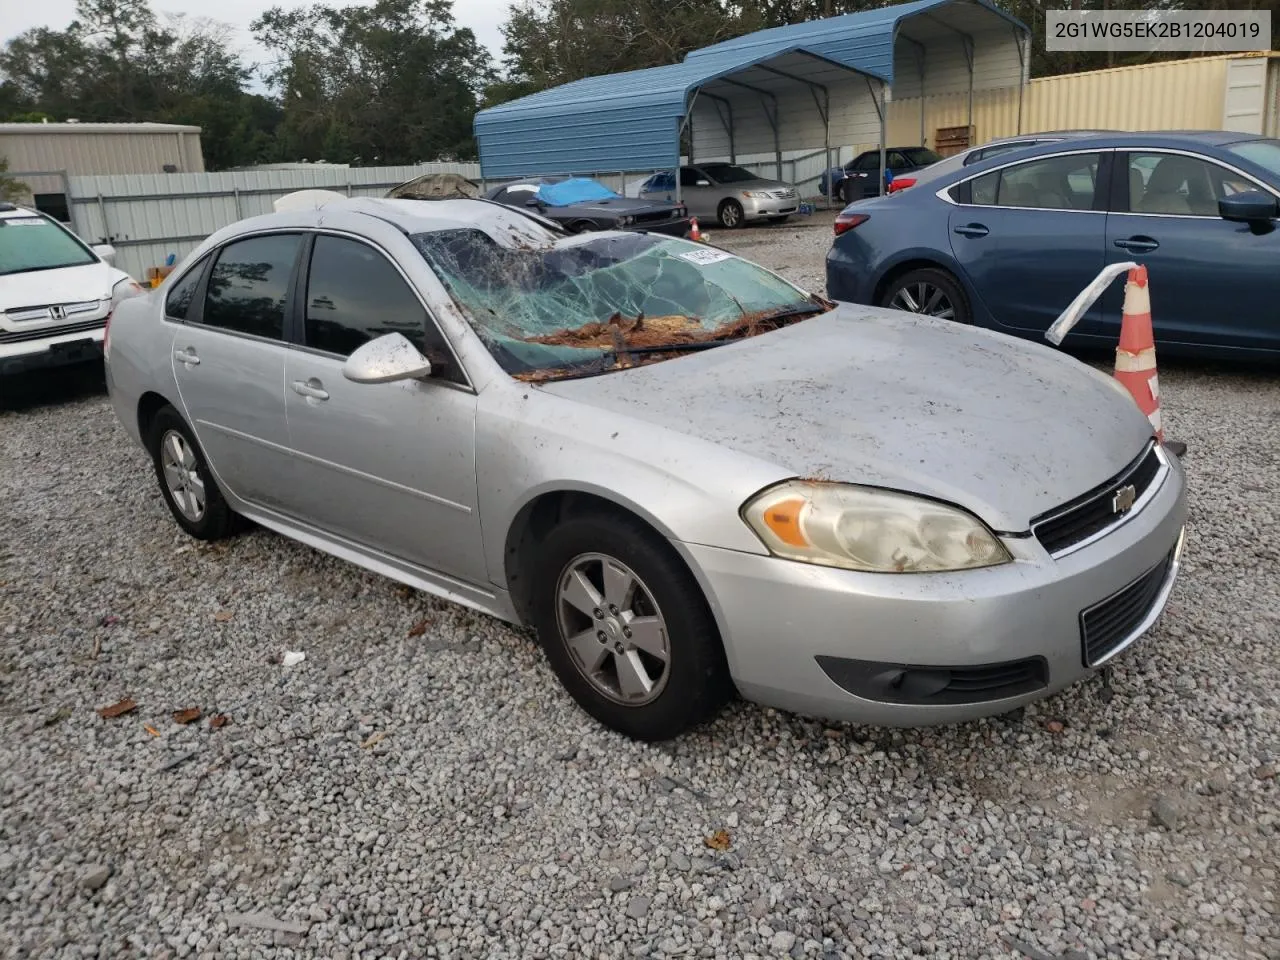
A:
(581, 204)
(860, 177)
(1007, 243)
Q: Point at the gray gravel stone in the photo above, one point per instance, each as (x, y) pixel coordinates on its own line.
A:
(95, 878)
(638, 908)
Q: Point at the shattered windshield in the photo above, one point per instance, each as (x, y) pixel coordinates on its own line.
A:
(592, 303)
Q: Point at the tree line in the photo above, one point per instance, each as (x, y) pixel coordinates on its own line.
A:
(398, 81)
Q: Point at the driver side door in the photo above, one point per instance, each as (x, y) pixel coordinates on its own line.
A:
(390, 466)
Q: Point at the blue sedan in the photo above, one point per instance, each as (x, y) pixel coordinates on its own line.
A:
(1007, 243)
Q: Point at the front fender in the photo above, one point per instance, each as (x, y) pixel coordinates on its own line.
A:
(530, 443)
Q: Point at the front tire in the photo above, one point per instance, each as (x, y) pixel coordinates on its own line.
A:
(731, 215)
(929, 291)
(186, 482)
(626, 627)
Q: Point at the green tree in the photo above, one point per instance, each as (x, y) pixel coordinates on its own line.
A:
(395, 82)
(118, 62)
(549, 42)
(10, 189)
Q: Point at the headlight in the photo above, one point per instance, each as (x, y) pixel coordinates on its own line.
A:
(755, 195)
(863, 528)
(625, 221)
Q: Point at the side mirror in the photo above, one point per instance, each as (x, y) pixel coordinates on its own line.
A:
(105, 251)
(1249, 206)
(386, 359)
(702, 183)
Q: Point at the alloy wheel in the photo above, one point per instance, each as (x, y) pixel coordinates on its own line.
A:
(925, 298)
(613, 629)
(182, 476)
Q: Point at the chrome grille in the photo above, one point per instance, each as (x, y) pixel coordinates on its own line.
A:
(51, 311)
(39, 333)
(1095, 512)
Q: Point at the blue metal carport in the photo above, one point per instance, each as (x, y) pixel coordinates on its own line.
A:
(801, 85)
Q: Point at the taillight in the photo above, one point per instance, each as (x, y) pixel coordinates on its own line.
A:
(901, 183)
(847, 221)
(122, 291)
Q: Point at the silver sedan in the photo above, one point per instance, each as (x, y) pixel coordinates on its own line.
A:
(690, 476)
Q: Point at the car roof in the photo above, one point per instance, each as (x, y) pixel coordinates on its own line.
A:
(409, 216)
(11, 211)
(1167, 139)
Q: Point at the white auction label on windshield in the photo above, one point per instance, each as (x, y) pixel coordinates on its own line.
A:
(703, 257)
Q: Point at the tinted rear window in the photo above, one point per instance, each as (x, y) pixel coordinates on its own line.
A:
(249, 284)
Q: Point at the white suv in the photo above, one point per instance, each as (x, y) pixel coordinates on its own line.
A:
(56, 292)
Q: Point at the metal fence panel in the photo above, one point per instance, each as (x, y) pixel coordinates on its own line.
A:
(149, 216)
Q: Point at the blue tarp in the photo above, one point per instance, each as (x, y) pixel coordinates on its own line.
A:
(574, 190)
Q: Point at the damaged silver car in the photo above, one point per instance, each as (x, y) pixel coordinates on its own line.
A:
(689, 475)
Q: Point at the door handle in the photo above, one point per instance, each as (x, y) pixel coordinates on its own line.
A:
(972, 230)
(1138, 244)
(312, 389)
(187, 356)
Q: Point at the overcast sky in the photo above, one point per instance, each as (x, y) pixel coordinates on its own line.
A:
(482, 16)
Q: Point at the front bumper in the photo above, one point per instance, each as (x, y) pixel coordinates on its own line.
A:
(779, 617)
(759, 209)
(57, 351)
(670, 228)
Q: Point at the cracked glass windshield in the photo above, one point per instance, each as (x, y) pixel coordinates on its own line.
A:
(594, 303)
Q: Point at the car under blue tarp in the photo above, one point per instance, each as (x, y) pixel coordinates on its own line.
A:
(566, 193)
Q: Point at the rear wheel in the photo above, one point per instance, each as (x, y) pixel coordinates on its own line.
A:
(626, 628)
(185, 480)
(929, 291)
(730, 214)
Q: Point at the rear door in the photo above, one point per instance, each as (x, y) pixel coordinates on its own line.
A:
(392, 465)
(1030, 235)
(228, 355)
(1212, 282)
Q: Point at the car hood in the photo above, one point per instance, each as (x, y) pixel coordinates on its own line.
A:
(612, 208)
(1005, 428)
(38, 288)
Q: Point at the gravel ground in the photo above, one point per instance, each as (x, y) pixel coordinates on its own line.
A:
(419, 786)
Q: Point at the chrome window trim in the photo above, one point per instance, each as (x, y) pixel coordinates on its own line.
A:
(1148, 495)
(941, 194)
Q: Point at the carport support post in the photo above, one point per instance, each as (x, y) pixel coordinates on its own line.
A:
(968, 56)
(878, 101)
(1020, 40)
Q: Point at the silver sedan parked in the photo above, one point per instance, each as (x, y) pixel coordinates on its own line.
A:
(730, 194)
(687, 474)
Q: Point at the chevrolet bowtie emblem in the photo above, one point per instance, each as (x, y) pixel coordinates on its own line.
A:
(1122, 499)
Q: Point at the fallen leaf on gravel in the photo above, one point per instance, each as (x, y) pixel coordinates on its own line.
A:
(405, 592)
(718, 840)
(1265, 773)
(109, 620)
(62, 713)
(219, 720)
(1054, 726)
(151, 730)
(376, 738)
(117, 709)
(187, 716)
(222, 616)
(419, 628)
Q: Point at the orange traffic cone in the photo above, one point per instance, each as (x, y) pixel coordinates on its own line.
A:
(1136, 353)
(694, 233)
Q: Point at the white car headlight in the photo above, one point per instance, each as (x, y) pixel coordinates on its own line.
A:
(864, 528)
(755, 195)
